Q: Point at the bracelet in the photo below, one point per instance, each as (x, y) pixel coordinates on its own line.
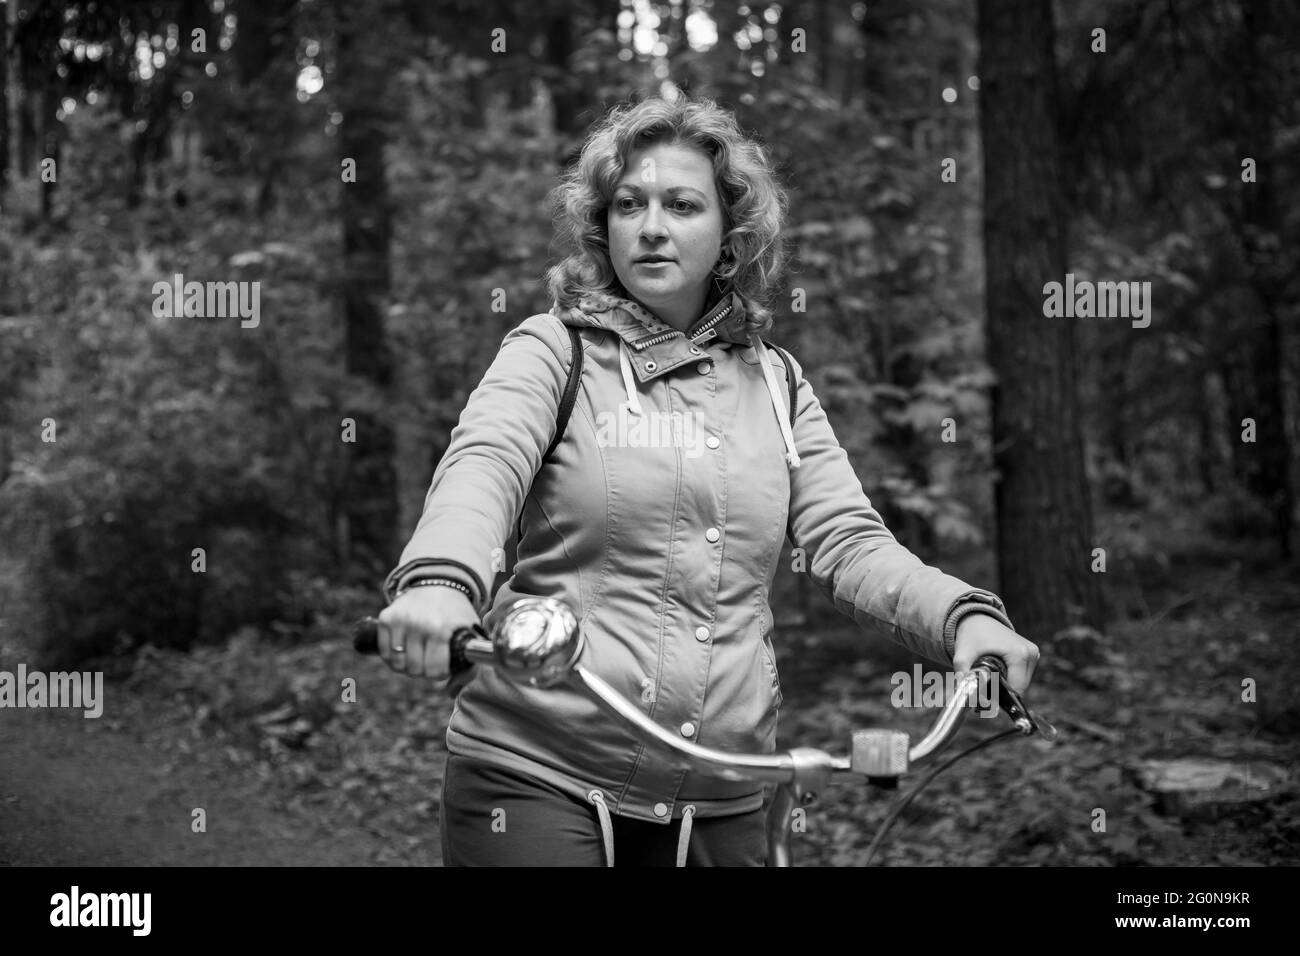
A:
(444, 582)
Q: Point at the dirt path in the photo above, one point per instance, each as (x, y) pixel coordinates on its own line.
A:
(80, 792)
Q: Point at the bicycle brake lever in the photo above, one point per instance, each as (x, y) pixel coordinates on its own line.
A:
(1025, 719)
(1010, 701)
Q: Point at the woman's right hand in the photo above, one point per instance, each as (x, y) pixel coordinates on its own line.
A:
(415, 630)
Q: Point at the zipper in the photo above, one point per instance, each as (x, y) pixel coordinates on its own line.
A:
(703, 333)
(654, 340)
(708, 328)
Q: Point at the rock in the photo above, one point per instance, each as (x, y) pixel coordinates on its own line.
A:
(1205, 786)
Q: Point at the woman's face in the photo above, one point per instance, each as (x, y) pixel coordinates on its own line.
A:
(666, 207)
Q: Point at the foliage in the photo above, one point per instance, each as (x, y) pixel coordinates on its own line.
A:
(178, 434)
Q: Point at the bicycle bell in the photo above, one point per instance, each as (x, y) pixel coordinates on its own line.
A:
(537, 641)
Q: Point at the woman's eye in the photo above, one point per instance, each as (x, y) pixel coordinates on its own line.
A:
(627, 203)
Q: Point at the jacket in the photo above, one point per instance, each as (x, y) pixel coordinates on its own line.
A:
(660, 519)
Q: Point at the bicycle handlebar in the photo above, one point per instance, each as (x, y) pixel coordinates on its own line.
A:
(537, 640)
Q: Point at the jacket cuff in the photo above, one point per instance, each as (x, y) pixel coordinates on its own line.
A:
(976, 602)
(435, 568)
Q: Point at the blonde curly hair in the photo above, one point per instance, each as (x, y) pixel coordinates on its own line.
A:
(754, 204)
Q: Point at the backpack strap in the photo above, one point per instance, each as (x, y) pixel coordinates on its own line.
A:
(789, 378)
(570, 392)
(567, 401)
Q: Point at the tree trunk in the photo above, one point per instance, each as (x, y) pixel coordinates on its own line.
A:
(28, 143)
(1045, 537)
(1238, 395)
(1265, 460)
(51, 143)
(370, 483)
(4, 100)
(1207, 433)
(266, 69)
(26, 87)
(560, 45)
(28, 92)
(825, 46)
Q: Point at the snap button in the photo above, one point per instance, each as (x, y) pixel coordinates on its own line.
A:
(688, 729)
(701, 633)
(712, 441)
(661, 809)
(651, 366)
(713, 534)
(694, 350)
(704, 367)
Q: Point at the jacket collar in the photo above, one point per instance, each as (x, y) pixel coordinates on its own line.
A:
(649, 348)
(658, 348)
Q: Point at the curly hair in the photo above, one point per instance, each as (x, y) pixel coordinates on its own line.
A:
(754, 205)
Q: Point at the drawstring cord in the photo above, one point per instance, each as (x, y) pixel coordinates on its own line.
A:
(791, 455)
(606, 825)
(684, 838)
(633, 404)
(607, 828)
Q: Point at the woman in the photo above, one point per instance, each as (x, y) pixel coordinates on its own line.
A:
(659, 517)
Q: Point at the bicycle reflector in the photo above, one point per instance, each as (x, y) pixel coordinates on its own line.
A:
(879, 753)
(537, 641)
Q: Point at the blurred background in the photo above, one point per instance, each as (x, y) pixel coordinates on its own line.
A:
(381, 169)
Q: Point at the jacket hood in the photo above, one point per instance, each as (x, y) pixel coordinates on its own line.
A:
(640, 331)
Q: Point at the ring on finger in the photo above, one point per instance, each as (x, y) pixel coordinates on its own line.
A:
(398, 649)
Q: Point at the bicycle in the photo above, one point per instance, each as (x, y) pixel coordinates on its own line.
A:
(538, 641)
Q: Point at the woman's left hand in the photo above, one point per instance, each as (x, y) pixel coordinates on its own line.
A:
(979, 634)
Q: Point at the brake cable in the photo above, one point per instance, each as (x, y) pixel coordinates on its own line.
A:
(905, 799)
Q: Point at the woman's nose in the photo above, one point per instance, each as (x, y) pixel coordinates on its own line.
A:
(652, 226)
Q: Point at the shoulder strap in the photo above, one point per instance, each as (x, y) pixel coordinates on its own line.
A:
(570, 395)
(567, 401)
(790, 380)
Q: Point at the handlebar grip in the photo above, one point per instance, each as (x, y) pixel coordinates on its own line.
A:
(365, 636)
(365, 640)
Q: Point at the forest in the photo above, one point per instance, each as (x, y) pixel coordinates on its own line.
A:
(256, 254)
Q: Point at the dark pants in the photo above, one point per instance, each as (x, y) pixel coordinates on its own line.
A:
(496, 817)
